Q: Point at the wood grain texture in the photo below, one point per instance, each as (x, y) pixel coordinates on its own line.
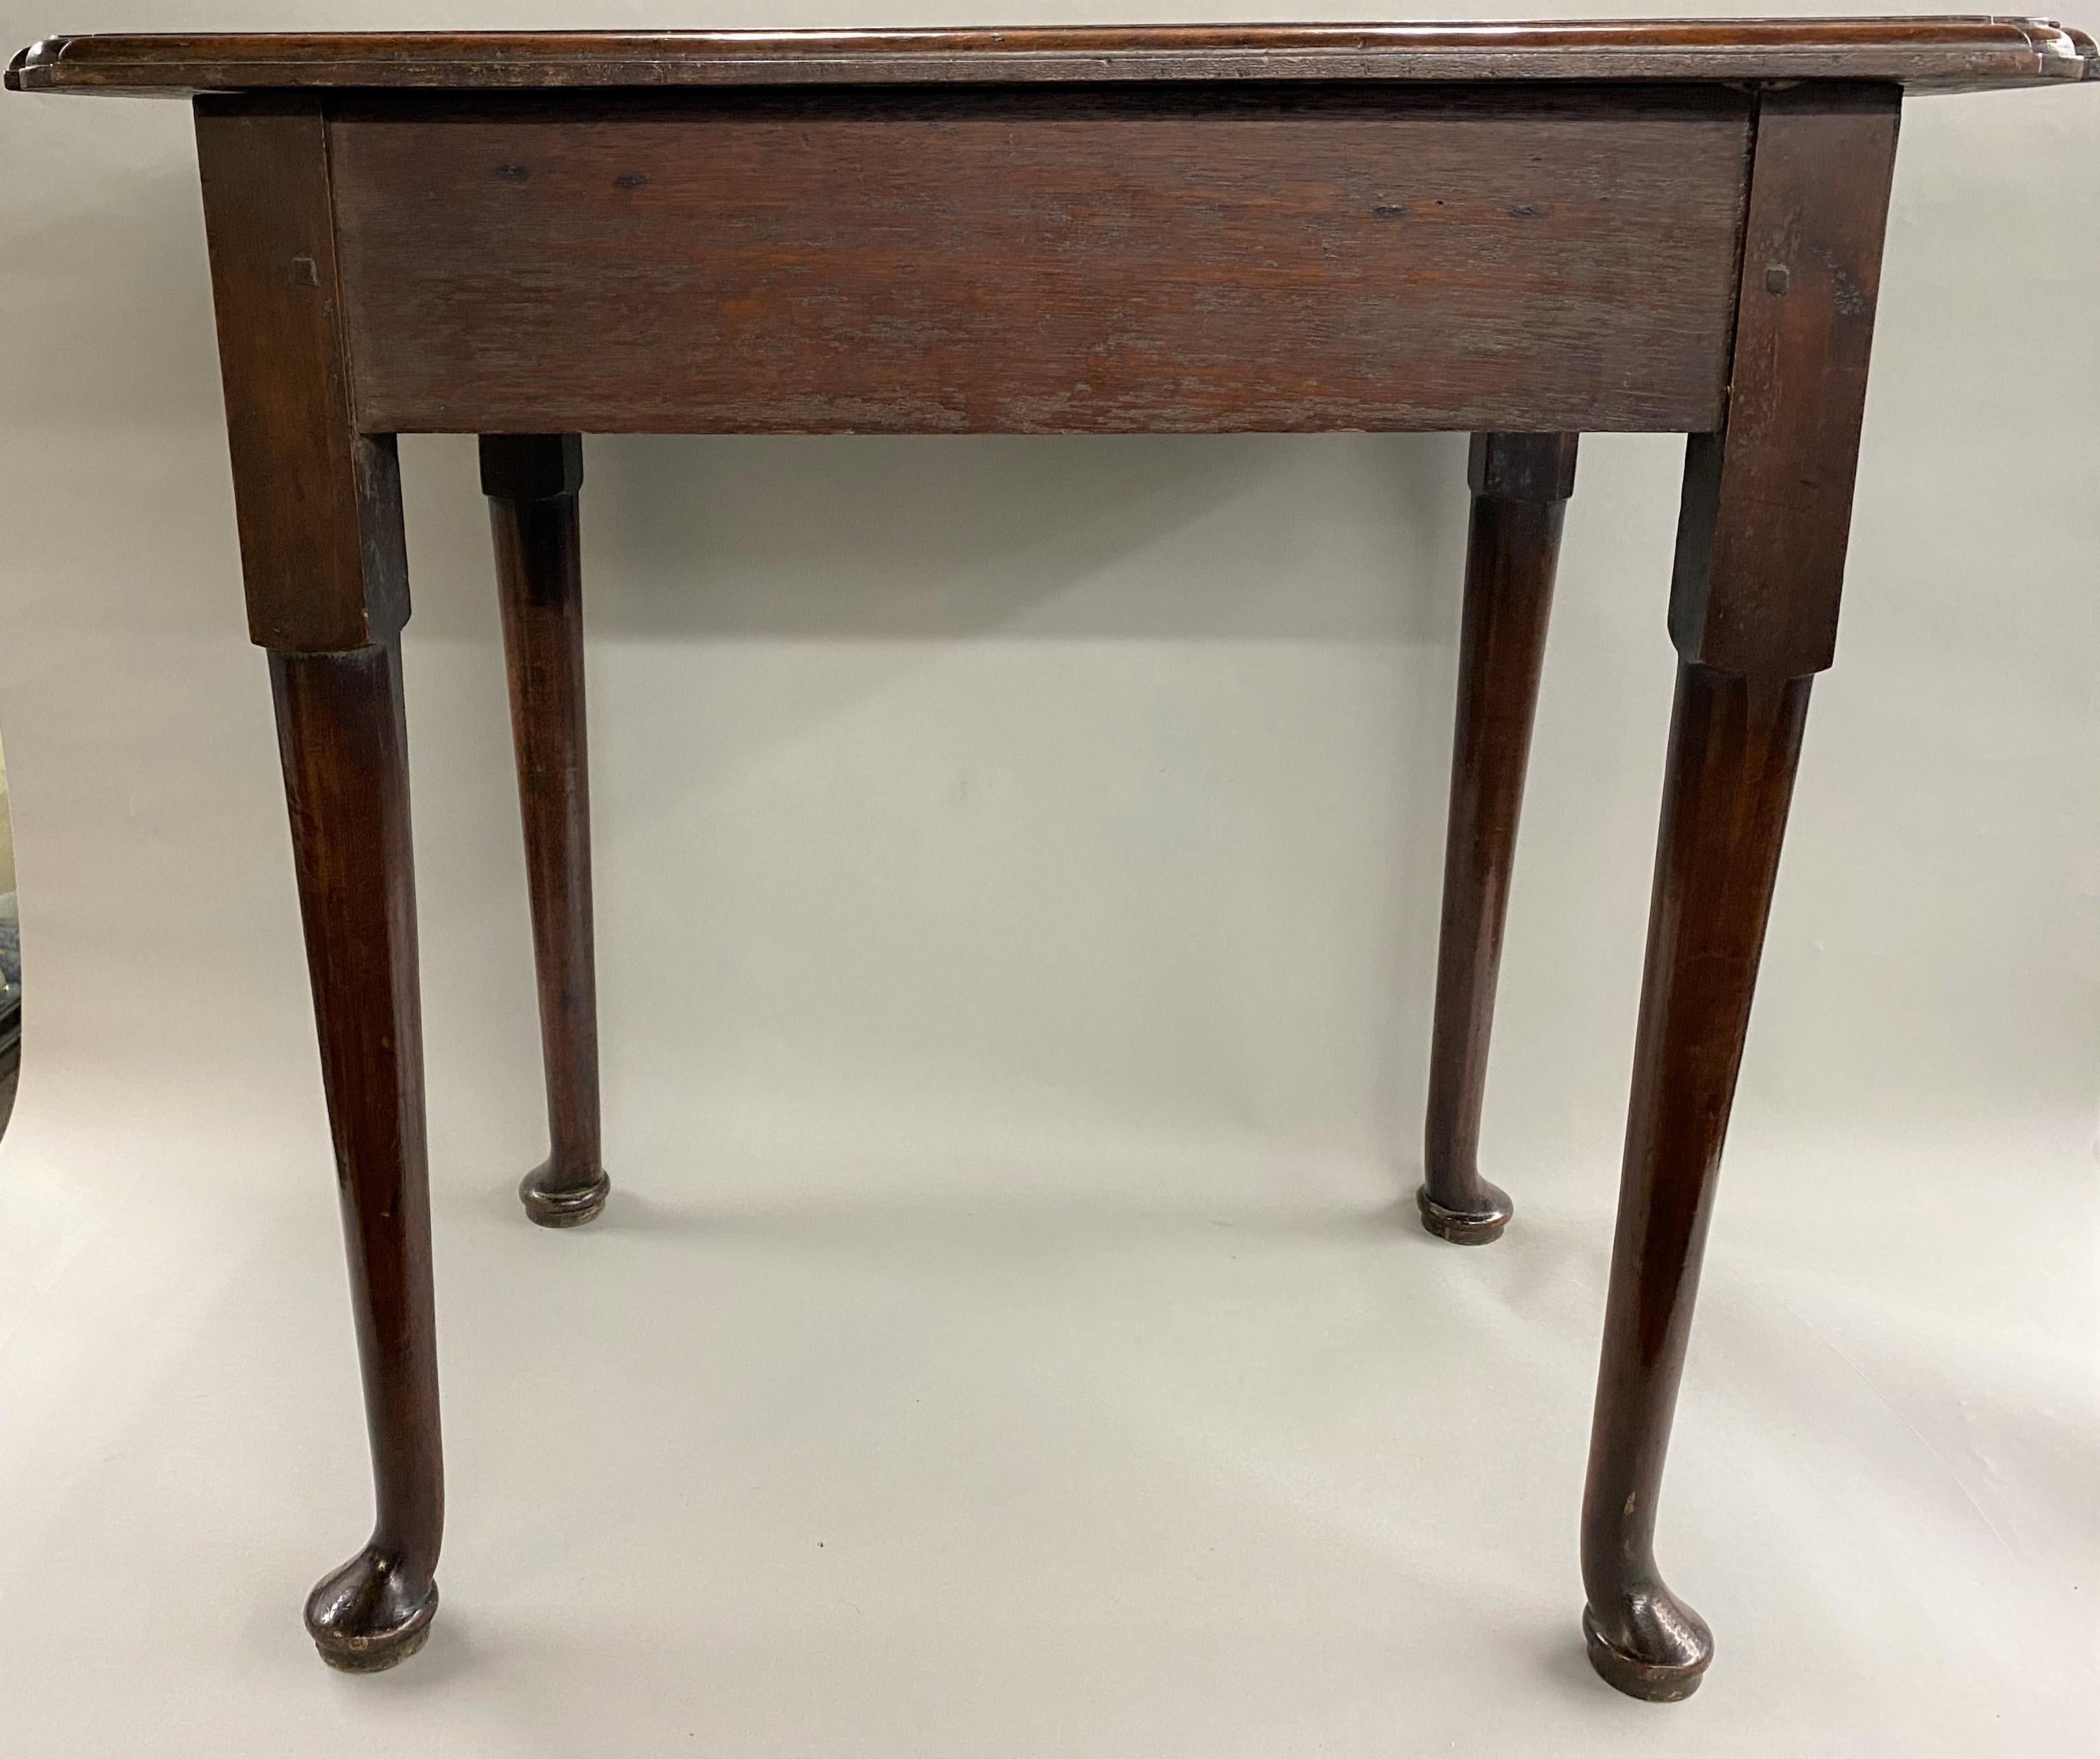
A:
(318, 503)
(1735, 743)
(1044, 262)
(344, 744)
(1521, 483)
(1767, 503)
(1753, 612)
(1950, 53)
(1526, 231)
(531, 481)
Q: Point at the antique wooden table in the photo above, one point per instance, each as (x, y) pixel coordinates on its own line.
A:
(1520, 231)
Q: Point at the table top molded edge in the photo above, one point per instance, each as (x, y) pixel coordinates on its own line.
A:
(1949, 53)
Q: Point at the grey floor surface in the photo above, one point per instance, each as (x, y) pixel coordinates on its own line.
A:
(1217, 1456)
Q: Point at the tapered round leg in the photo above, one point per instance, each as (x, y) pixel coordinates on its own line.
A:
(346, 776)
(1734, 745)
(1520, 484)
(532, 481)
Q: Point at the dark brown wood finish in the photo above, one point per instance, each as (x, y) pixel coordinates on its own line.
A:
(1943, 53)
(1734, 742)
(344, 745)
(326, 571)
(1761, 549)
(1044, 262)
(1526, 231)
(1520, 485)
(318, 499)
(1767, 506)
(531, 481)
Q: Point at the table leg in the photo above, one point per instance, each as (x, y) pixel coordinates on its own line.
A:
(343, 742)
(532, 481)
(325, 571)
(1733, 745)
(1760, 545)
(1520, 485)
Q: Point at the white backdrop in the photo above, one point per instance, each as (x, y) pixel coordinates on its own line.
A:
(1017, 867)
